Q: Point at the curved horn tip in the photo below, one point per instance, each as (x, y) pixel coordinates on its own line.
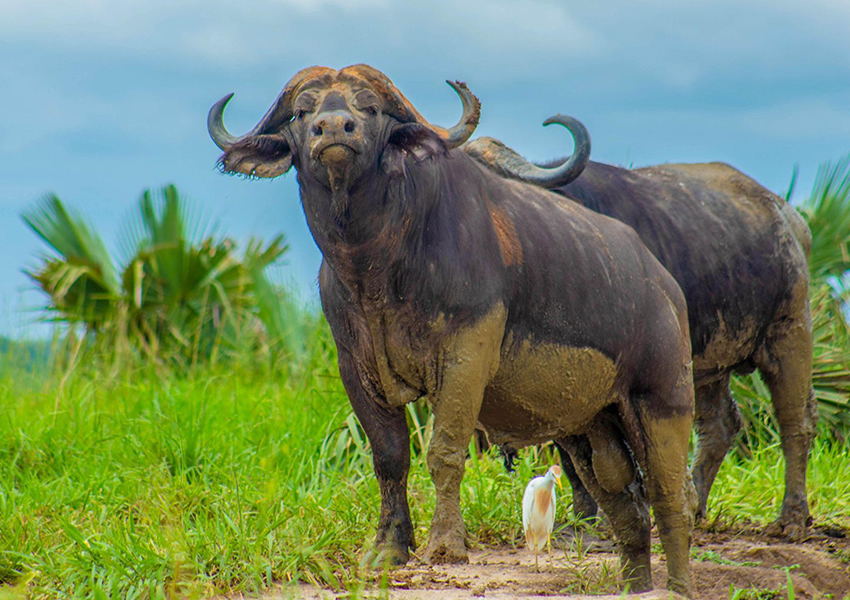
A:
(462, 90)
(562, 120)
(470, 101)
(215, 124)
(222, 103)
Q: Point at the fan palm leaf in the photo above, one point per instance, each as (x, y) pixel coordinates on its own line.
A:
(827, 211)
(79, 277)
(182, 290)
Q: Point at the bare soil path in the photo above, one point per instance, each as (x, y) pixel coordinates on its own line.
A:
(740, 559)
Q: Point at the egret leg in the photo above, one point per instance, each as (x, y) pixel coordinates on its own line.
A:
(549, 546)
(534, 545)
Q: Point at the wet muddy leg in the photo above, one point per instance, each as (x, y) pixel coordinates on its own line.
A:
(669, 488)
(785, 362)
(389, 438)
(717, 422)
(446, 463)
(627, 510)
(465, 366)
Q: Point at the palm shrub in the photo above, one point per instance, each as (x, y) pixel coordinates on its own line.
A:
(181, 293)
(827, 212)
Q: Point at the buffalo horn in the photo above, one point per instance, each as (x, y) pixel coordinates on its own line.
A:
(508, 163)
(457, 135)
(215, 125)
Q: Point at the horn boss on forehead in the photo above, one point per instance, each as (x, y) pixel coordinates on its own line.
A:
(401, 108)
(393, 103)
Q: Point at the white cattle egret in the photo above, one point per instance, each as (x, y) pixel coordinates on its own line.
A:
(538, 511)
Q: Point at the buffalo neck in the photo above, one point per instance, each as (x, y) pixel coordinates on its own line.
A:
(425, 238)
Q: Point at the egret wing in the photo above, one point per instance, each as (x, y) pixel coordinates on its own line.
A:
(527, 504)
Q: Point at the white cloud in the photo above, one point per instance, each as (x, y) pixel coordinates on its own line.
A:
(265, 31)
(762, 84)
(676, 44)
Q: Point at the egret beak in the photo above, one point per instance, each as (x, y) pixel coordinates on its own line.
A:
(558, 481)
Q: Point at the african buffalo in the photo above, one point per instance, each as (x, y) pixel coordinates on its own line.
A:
(493, 299)
(739, 253)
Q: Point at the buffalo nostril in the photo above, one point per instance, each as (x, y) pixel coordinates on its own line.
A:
(349, 126)
(317, 130)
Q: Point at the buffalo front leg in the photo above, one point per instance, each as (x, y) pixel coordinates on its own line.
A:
(389, 437)
(446, 462)
(717, 422)
(465, 364)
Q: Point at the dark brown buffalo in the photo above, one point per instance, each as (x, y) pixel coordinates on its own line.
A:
(493, 299)
(739, 253)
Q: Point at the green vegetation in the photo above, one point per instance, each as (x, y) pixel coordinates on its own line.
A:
(700, 555)
(754, 594)
(198, 441)
(588, 576)
(182, 294)
(139, 483)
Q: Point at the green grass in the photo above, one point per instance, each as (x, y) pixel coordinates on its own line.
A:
(751, 489)
(700, 555)
(137, 482)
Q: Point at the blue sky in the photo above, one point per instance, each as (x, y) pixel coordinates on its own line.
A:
(101, 99)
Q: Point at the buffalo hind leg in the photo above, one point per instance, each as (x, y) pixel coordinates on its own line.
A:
(785, 363)
(389, 437)
(584, 506)
(717, 422)
(627, 511)
(667, 428)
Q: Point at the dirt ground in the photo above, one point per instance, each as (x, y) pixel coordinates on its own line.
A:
(723, 561)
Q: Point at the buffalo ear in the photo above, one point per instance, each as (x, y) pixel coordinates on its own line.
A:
(414, 141)
(258, 156)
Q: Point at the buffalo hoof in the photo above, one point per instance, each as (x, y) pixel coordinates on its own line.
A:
(637, 575)
(793, 531)
(680, 587)
(445, 550)
(791, 524)
(385, 555)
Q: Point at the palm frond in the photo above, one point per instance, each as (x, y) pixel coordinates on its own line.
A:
(827, 212)
(79, 278)
(69, 235)
(182, 291)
